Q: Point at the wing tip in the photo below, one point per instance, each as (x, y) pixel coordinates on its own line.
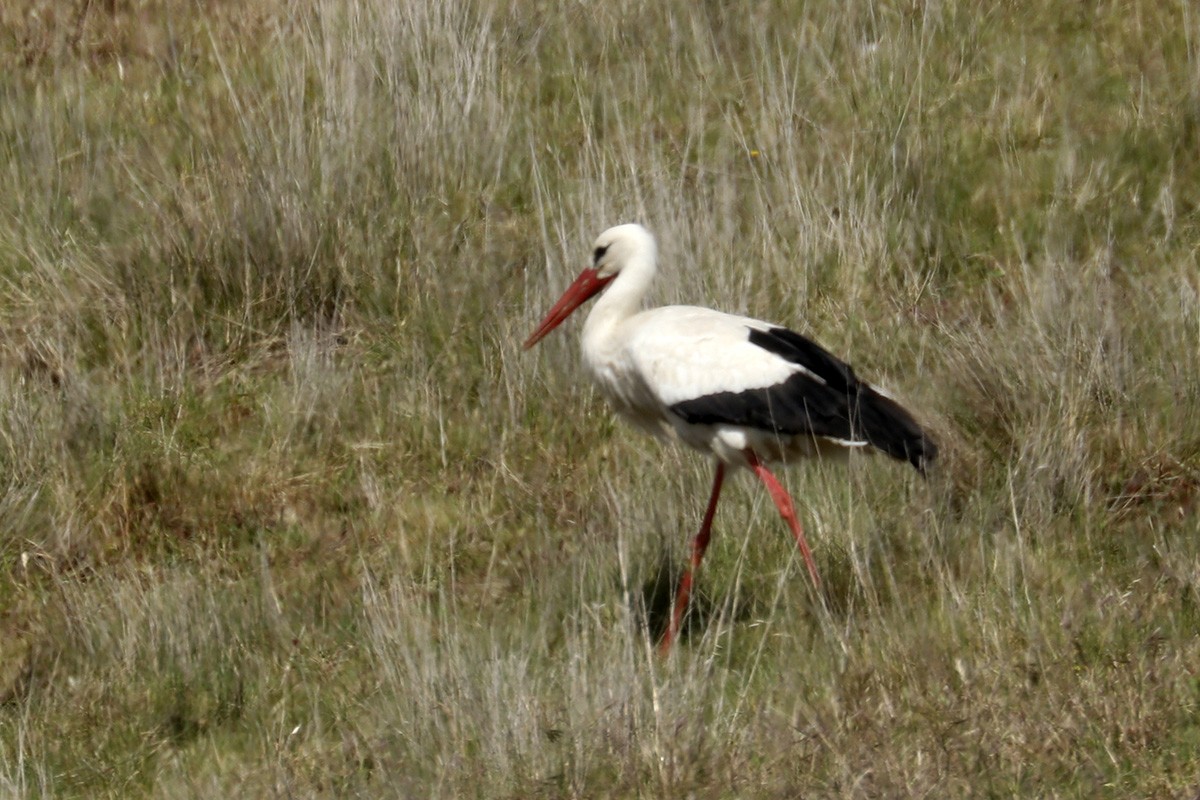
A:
(922, 455)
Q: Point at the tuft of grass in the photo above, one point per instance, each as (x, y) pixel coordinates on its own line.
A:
(286, 511)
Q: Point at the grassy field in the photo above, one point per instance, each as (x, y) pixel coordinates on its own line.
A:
(287, 512)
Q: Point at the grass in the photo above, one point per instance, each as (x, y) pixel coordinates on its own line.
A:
(287, 512)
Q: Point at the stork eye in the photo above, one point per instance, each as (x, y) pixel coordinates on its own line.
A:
(599, 254)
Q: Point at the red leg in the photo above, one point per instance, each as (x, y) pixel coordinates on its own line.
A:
(699, 545)
(786, 510)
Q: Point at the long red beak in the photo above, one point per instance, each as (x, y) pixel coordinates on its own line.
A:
(585, 286)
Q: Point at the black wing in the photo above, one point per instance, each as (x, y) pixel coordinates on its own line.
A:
(826, 400)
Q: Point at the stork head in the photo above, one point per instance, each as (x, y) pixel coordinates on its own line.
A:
(613, 250)
(619, 246)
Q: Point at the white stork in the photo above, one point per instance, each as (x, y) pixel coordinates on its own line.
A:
(745, 391)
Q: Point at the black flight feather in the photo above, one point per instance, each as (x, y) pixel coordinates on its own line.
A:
(834, 403)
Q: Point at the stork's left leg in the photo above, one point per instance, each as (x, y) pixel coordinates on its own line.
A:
(699, 545)
(786, 510)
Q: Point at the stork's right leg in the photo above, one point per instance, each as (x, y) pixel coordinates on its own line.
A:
(699, 545)
(786, 510)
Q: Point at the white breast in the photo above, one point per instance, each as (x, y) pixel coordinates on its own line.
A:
(657, 358)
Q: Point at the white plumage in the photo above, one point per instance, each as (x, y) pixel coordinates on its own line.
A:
(670, 355)
(743, 390)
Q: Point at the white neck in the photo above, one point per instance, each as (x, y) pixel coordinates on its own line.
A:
(620, 301)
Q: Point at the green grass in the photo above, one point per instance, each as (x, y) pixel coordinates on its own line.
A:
(288, 512)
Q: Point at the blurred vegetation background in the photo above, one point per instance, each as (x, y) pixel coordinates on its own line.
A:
(287, 512)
